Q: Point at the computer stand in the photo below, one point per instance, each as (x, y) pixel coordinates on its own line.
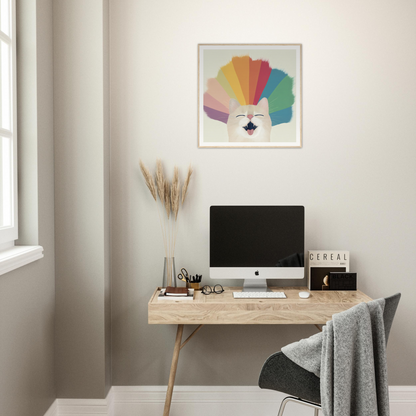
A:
(255, 285)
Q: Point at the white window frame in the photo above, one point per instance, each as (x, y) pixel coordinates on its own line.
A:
(9, 233)
(11, 256)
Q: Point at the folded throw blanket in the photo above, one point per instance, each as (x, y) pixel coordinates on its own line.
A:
(350, 357)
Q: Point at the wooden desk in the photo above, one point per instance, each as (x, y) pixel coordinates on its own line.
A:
(223, 309)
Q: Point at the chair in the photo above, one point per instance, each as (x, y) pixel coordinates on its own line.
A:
(281, 374)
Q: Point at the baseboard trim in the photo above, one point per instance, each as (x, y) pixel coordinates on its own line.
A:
(402, 394)
(194, 394)
(84, 407)
(203, 400)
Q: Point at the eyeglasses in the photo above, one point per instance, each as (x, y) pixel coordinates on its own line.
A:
(207, 290)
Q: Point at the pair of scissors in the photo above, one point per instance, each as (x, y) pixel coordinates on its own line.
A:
(183, 275)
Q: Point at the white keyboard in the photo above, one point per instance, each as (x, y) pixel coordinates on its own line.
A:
(259, 295)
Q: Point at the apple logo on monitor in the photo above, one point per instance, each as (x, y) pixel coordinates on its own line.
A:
(256, 272)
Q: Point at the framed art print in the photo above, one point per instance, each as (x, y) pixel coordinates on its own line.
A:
(249, 95)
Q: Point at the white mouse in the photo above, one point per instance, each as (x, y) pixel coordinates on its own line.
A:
(304, 295)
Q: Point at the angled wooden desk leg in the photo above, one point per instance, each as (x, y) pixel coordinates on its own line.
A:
(173, 368)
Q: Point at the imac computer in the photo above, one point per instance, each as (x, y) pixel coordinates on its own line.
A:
(256, 242)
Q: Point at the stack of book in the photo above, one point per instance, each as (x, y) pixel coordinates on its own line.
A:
(176, 293)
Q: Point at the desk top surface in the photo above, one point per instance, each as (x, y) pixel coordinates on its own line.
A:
(218, 309)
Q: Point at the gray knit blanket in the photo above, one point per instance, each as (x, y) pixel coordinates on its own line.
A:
(349, 356)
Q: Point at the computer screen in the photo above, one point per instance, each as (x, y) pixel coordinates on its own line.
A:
(256, 241)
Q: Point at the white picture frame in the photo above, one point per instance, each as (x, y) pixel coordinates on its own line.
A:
(249, 78)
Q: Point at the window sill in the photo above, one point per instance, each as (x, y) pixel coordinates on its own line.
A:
(18, 256)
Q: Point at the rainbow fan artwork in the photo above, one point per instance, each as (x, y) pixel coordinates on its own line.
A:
(248, 97)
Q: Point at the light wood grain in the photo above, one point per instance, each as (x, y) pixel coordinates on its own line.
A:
(173, 368)
(190, 336)
(219, 309)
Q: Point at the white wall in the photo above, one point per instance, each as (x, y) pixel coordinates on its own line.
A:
(355, 174)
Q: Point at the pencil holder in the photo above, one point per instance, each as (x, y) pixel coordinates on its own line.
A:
(195, 286)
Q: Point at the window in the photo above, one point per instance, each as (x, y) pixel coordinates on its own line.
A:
(11, 256)
(8, 146)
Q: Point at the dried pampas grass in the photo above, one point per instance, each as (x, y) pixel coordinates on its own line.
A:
(148, 179)
(167, 197)
(160, 180)
(186, 183)
(174, 193)
(170, 198)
